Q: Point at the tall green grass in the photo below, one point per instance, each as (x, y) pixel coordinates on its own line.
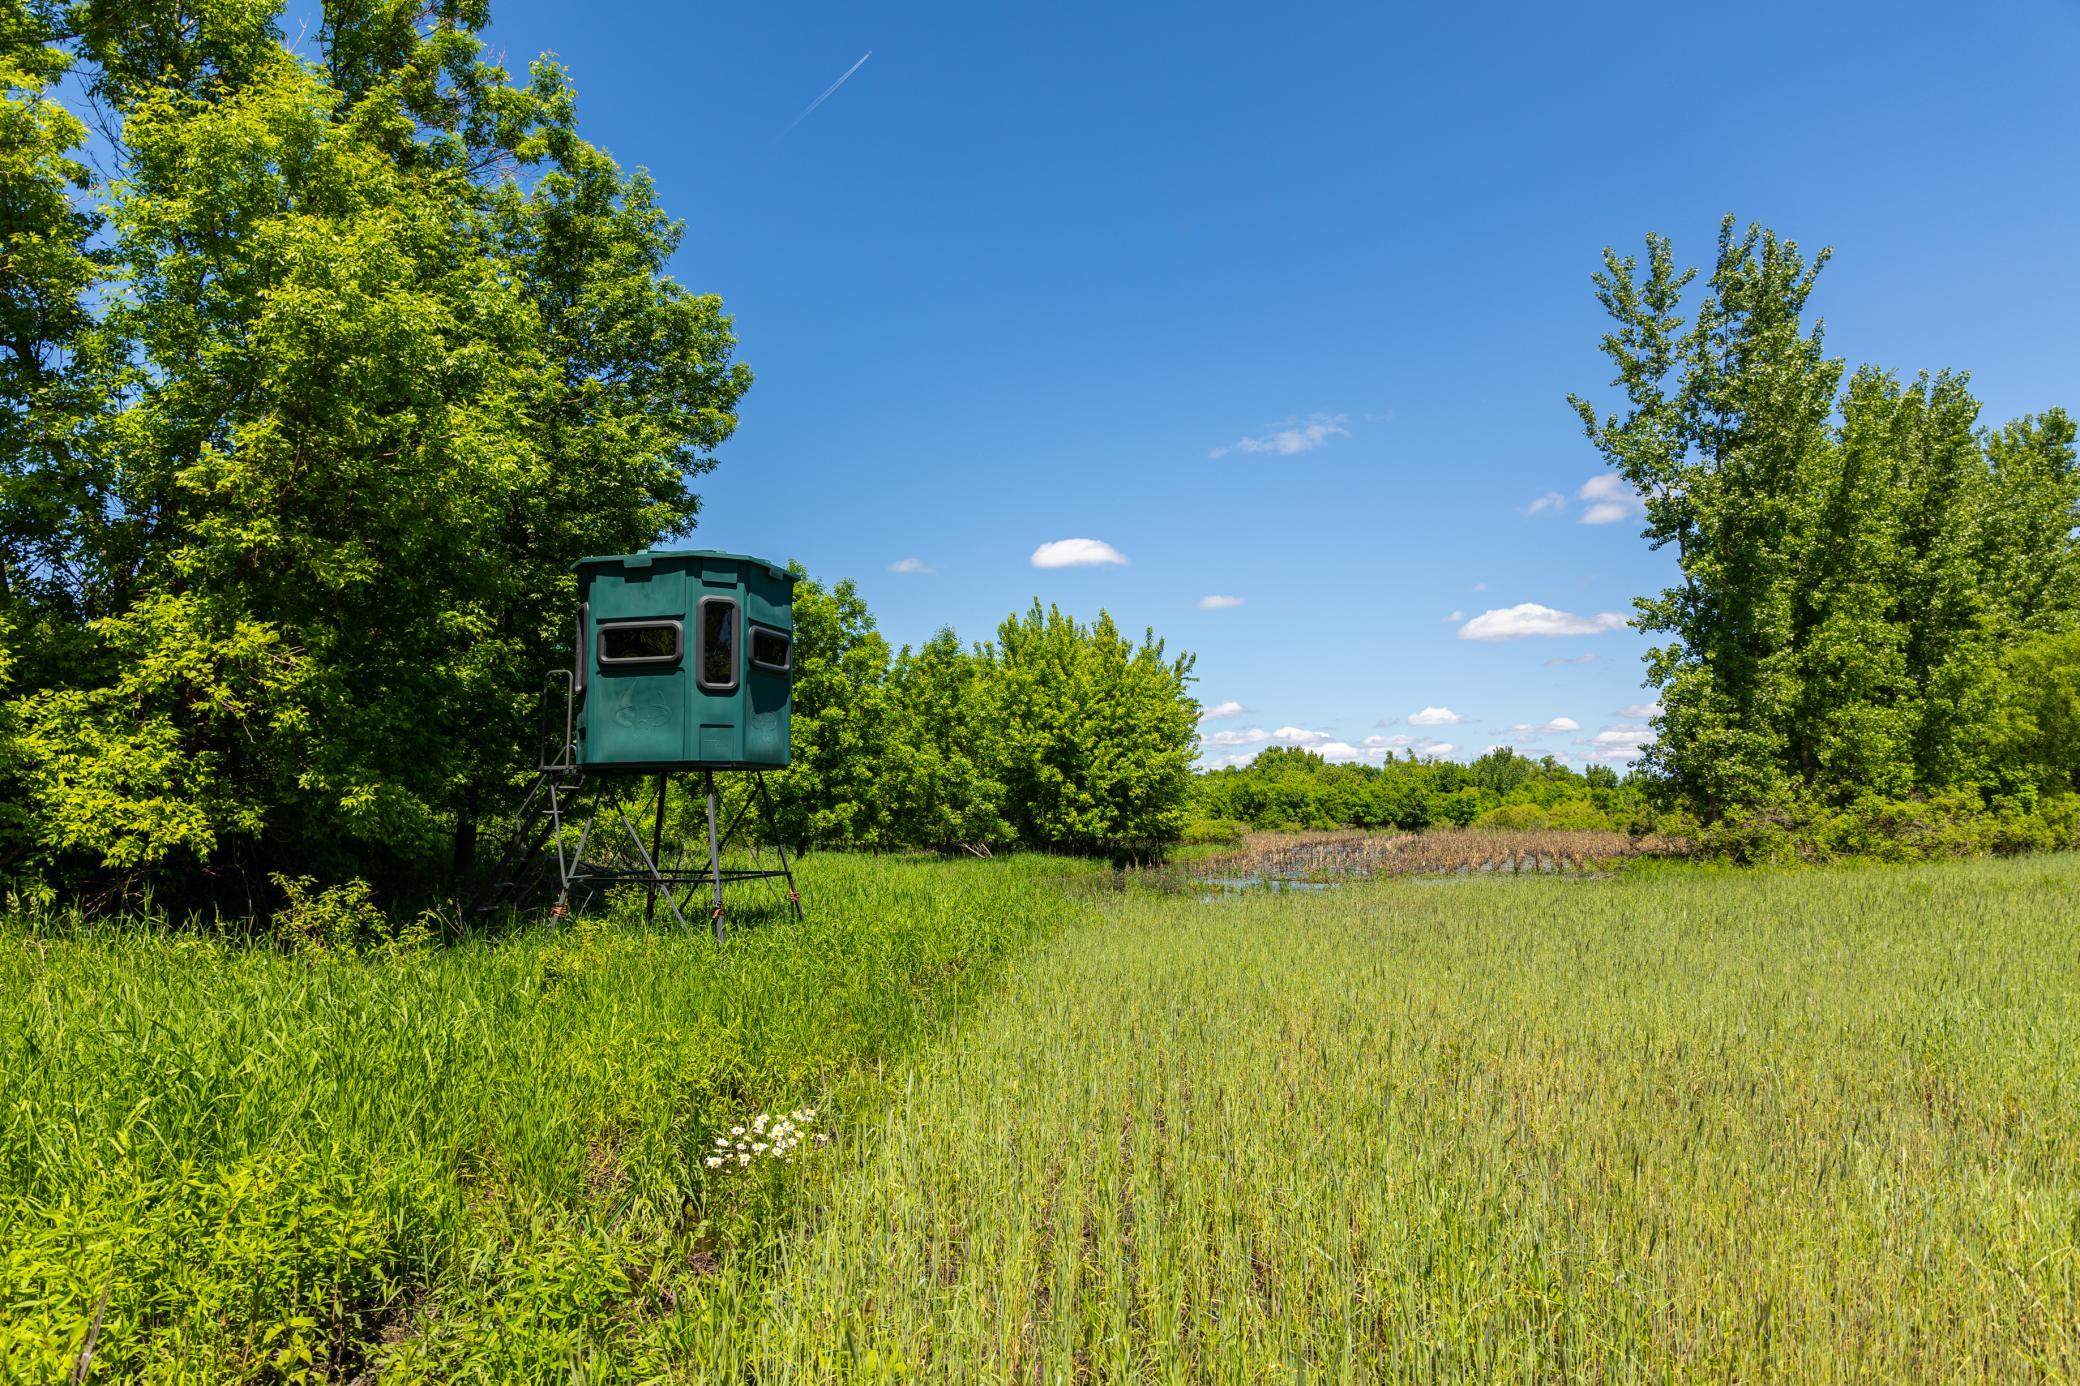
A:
(477, 1162)
(1804, 1126)
(1808, 1127)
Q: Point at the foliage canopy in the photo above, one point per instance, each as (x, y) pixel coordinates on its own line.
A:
(1061, 734)
(1876, 589)
(308, 411)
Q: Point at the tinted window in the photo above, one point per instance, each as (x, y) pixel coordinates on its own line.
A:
(718, 642)
(639, 642)
(578, 660)
(770, 648)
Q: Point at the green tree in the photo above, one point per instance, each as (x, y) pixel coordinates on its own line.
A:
(834, 791)
(946, 750)
(1099, 732)
(1852, 557)
(1502, 770)
(2030, 551)
(2037, 731)
(1933, 579)
(1727, 421)
(46, 271)
(384, 347)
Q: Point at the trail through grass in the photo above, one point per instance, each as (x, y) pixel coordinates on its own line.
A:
(1806, 1127)
(472, 1163)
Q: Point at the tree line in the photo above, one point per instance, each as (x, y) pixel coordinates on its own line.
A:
(1058, 734)
(308, 402)
(1874, 645)
(1289, 788)
(1876, 632)
(318, 371)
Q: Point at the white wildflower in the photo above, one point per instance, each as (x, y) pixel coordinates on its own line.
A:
(768, 1135)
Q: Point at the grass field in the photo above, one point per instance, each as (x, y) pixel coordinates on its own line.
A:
(472, 1163)
(1672, 1124)
(1803, 1127)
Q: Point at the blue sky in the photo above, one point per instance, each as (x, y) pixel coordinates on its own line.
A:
(1283, 303)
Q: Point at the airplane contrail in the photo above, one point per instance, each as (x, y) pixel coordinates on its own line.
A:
(807, 110)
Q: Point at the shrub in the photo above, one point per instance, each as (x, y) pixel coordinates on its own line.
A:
(1957, 823)
(1213, 830)
(1580, 815)
(1458, 808)
(1515, 818)
(342, 919)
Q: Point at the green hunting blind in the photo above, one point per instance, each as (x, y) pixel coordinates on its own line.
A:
(683, 663)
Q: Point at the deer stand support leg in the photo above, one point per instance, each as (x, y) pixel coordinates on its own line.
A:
(794, 897)
(656, 851)
(714, 856)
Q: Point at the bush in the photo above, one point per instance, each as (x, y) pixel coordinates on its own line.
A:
(1458, 808)
(342, 919)
(1580, 815)
(1875, 828)
(1515, 818)
(1226, 831)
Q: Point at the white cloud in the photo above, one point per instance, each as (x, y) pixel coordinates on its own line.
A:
(1289, 437)
(1435, 717)
(1455, 618)
(1216, 602)
(1327, 745)
(1535, 729)
(910, 565)
(1529, 618)
(1638, 711)
(1480, 587)
(1551, 500)
(1617, 743)
(1378, 748)
(1610, 498)
(1318, 741)
(1076, 553)
(1230, 708)
(1575, 659)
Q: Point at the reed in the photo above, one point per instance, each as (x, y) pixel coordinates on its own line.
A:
(1323, 856)
(481, 1161)
(1677, 1124)
(1804, 1127)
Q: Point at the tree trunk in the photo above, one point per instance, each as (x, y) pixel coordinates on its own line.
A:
(463, 862)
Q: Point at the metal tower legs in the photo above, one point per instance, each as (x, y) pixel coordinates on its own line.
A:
(715, 855)
(543, 857)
